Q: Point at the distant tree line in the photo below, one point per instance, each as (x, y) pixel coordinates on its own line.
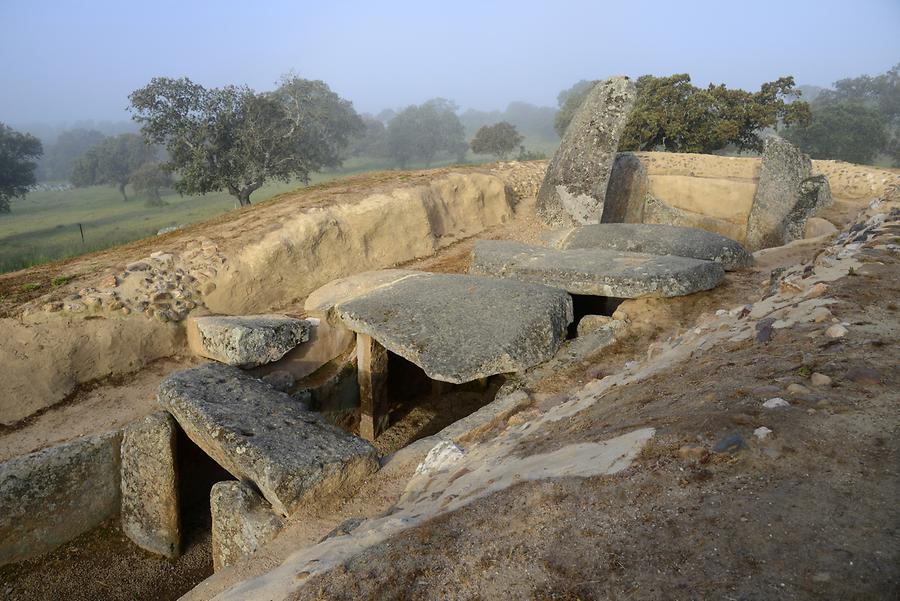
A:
(858, 120)
(197, 140)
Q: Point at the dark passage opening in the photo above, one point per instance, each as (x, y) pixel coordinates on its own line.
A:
(583, 304)
(197, 472)
(419, 406)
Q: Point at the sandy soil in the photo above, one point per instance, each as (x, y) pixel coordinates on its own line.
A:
(103, 407)
(103, 565)
(808, 512)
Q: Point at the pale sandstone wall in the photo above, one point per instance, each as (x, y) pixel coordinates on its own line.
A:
(44, 362)
(323, 244)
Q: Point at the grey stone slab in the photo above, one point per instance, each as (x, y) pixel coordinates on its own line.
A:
(247, 341)
(265, 436)
(596, 272)
(150, 503)
(658, 239)
(242, 521)
(574, 187)
(49, 497)
(787, 194)
(323, 300)
(627, 190)
(459, 328)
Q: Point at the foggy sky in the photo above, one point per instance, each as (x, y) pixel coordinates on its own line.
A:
(67, 61)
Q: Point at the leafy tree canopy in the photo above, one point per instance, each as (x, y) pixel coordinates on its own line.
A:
(672, 114)
(149, 179)
(844, 131)
(856, 120)
(421, 132)
(18, 153)
(499, 139)
(113, 162)
(235, 139)
(372, 141)
(70, 145)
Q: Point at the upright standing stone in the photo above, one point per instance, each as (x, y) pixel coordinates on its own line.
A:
(49, 497)
(242, 522)
(372, 363)
(785, 197)
(574, 188)
(627, 190)
(150, 516)
(815, 194)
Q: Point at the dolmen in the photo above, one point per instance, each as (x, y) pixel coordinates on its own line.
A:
(617, 260)
(285, 456)
(456, 328)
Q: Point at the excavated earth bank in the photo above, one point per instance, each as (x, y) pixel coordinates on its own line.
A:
(656, 519)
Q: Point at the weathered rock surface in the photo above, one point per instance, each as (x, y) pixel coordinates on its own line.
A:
(658, 239)
(51, 496)
(322, 301)
(815, 194)
(326, 342)
(574, 188)
(627, 190)
(459, 328)
(259, 434)
(150, 503)
(596, 272)
(785, 197)
(594, 323)
(816, 226)
(242, 521)
(246, 341)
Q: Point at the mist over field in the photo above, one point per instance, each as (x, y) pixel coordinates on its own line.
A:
(70, 73)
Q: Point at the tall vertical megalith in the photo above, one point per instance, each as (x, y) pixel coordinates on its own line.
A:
(574, 187)
(786, 196)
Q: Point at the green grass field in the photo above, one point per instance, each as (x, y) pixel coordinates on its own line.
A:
(44, 226)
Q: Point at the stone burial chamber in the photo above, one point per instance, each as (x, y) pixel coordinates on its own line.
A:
(456, 328)
(284, 456)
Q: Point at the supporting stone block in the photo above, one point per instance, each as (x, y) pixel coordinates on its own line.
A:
(242, 521)
(150, 507)
(246, 341)
(49, 497)
(372, 362)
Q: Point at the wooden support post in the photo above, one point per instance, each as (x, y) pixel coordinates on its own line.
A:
(439, 388)
(372, 365)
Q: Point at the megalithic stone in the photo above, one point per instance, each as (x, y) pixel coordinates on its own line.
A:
(786, 196)
(150, 504)
(574, 187)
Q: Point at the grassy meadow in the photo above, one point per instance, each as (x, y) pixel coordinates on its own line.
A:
(44, 226)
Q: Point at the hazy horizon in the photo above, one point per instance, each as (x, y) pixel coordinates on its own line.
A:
(79, 63)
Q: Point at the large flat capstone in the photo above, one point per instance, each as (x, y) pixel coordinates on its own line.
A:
(246, 341)
(597, 272)
(658, 239)
(459, 328)
(574, 187)
(264, 436)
